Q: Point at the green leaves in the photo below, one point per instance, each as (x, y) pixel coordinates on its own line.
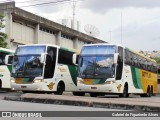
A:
(157, 59)
(3, 36)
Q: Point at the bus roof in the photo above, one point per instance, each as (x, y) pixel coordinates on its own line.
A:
(68, 49)
(6, 50)
(98, 44)
(103, 44)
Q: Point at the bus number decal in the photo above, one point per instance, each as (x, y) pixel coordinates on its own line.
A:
(62, 69)
(146, 74)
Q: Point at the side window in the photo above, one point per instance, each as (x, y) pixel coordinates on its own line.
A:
(120, 64)
(145, 64)
(2, 58)
(127, 57)
(132, 58)
(65, 57)
(10, 60)
(140, 62)
(155, 68)
(50, 62)
(148, 65)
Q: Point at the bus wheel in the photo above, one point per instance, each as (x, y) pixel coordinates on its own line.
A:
(125, 92)
(148, 94)
(60, 89)
(93, 94)
(152, 94)
(78, 93)
(0, 84)
(25, 91)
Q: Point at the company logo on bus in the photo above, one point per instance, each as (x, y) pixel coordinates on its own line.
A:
(50, 86)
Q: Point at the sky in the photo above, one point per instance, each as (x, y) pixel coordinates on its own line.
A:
(132, 23)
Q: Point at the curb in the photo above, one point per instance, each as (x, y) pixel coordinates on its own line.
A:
(12, 98)
(86, 103)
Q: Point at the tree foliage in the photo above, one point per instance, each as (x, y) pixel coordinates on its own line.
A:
(3, 36)
(157, 59)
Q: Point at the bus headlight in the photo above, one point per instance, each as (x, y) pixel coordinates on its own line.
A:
(38, 80)
(12, 80)
(79, 81)
(110, 82)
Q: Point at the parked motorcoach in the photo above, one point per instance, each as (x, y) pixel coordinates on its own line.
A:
(44, 68)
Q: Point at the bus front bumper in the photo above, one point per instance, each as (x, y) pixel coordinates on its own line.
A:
(32, 87)
(105, 88)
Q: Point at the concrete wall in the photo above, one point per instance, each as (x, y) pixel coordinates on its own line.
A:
(68, 43)
(22, 33)
(45, 37)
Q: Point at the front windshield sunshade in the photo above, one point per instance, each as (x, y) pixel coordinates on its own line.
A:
(28, 50)
(98, 50)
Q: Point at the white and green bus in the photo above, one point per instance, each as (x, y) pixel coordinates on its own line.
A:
(114, 69)
(5, 70)
(44, 68)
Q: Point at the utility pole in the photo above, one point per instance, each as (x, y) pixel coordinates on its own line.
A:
(74, 7)
(121, 27)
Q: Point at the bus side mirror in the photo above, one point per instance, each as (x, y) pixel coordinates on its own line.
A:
(75, 59)
(43, 56)
(116, 58)
(8, 59)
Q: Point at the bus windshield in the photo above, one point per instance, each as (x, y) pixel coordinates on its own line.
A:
(27, 66)
(26, 61)
(97, 61)
(96, 66)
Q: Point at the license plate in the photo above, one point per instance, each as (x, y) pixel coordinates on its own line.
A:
(93, 87)
(23, 86)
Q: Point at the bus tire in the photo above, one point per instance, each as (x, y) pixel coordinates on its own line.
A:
(24, 91)
(152, 94)
(78, 93)
(125, 93)
(93, 94)
(60, 88)
(0, 84)
(148, 94)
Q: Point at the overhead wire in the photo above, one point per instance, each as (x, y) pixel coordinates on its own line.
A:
(50, 3)
(33, 1)
(46, 3)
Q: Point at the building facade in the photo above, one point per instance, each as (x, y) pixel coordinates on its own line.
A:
(23, 27)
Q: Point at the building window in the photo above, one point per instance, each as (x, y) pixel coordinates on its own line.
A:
(46, 30)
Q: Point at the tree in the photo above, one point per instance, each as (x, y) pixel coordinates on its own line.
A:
(157, 59)
(3, 36)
